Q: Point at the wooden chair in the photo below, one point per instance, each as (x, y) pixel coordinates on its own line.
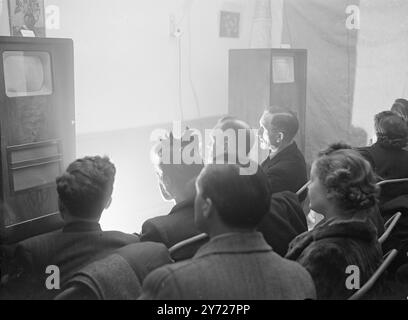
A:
(388, 258)
(181, 245)
(390, 189)
(301, 190)
(393, 181)
(389, 227)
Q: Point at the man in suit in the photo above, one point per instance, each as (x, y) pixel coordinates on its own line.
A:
(237, 263)
(176, 181)
(285, 165)
(387, 156)
(285, 219)
(84, 192)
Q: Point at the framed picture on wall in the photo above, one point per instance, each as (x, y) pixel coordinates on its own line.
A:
(27, 18)
(229, 24)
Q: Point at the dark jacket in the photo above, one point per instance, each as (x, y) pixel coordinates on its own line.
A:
(388, 164)
(234, 266)
(287, 170)
(119, 276)
(284, 221)
(71, 249)
(173, 228)
(328, 250)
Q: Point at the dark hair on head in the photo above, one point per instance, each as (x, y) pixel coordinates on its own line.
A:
(285, 121)
(334, 147)
(86, 186)
(349, 178)
(392, 130)
(400, 107)
(241, 201)
(169, 156)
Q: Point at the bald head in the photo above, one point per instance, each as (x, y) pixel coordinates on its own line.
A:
(237, 128)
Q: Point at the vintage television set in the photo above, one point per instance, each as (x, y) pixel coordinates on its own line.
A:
(37, 132)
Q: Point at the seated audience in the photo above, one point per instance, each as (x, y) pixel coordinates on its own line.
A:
(285, 166)
(237, 263)
(285, 220)
(176, 182)
(84, 192)
(343, 189)
(387, 156)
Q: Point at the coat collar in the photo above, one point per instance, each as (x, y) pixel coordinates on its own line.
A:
(359, 228)
(234, 243)
(82, 226)
(289, 150)
(182, 205)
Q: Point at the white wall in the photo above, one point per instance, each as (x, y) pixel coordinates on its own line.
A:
(382, 69)
(127, 63)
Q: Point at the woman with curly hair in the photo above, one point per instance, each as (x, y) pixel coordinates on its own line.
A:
(387, 156)
(343, 189)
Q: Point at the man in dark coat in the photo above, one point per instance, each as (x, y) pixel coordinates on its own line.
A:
(237, 263)
(387, 156)
(284, 221)
(84, 192)
(176, 182)
(285, 166)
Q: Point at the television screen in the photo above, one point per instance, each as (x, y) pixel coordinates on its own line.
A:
(27, 73)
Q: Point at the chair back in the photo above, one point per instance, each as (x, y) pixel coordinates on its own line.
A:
(392, 181)
(392, 189)
(388, 258)
(303, 189)
(389, 227)
(187, 243)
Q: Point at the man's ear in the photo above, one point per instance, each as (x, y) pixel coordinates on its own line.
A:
(207, 208)
(166, 181)
(280, 137)
(329, 196)
(62, 209)
(108, 203)
(165, 188)
(61, 206)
